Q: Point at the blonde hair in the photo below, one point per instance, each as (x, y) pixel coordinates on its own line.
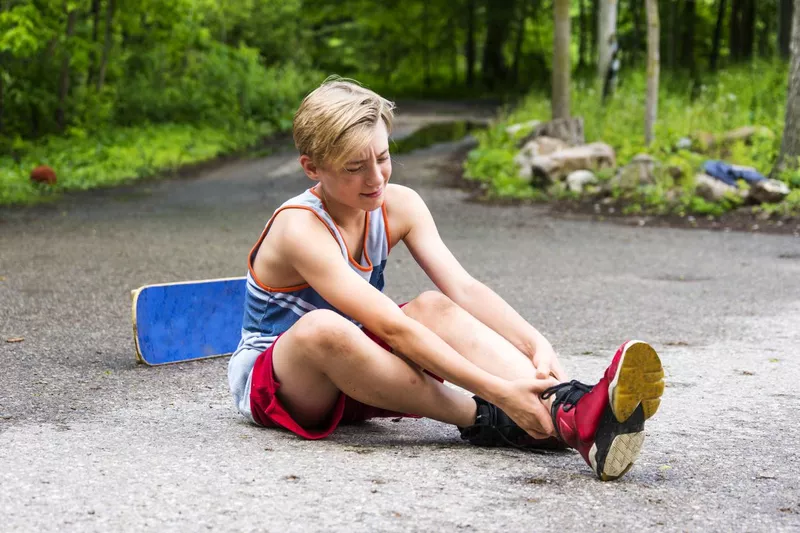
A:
(337, 119)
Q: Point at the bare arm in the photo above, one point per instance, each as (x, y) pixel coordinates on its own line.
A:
(428, 249)
(308, 246)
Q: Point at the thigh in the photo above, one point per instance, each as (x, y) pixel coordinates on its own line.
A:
(303, 390)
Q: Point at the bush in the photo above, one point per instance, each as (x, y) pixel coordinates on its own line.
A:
(735, 97)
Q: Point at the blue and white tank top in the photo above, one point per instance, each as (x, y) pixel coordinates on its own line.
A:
(270, 311)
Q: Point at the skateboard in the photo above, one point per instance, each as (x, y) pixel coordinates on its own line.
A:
(175, 322)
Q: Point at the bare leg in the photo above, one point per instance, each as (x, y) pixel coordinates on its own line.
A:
(323, 355)
(469, 336)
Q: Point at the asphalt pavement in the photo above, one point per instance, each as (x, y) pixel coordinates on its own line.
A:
(91, 441)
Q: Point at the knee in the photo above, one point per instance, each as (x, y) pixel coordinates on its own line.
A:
(429, 303)
(321, 331)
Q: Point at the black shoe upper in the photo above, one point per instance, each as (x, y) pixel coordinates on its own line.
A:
(493, 427)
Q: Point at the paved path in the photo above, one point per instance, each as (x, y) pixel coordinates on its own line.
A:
(89, 441)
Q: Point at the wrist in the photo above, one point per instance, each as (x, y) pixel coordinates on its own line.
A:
(496, 391)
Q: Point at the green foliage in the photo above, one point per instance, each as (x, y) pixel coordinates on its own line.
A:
(115, 156)
(736, 97)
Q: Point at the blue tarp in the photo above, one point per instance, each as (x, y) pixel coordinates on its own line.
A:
(731, 173)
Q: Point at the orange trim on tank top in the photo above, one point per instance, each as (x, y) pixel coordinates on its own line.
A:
(386, 226)
(261, 239)
(364, 252)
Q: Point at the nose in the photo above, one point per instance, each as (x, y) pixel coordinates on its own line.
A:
(374, 175)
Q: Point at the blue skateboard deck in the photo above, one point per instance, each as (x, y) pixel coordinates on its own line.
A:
(175, 322)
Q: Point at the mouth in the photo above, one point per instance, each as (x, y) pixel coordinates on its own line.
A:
(375, 194)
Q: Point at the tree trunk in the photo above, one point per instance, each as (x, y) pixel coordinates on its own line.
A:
(672, 34)
(735, 27)
(636, 14)
(63, 84)
(93, 52)
(606, 35)
(687, 39)
(594, 23)
(784, 28)
(469, 51)
(101, 76)
(499, 14)
(717, 35)
(561, 64)
(653, 67)
(581, 34)
(748, 24)
(790, 143)
(523, 16)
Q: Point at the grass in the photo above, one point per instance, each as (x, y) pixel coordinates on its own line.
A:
(740, 96)
(114, 156)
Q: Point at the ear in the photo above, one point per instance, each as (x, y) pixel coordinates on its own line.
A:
(309, 167)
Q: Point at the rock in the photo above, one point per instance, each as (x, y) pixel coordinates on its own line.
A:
(769, 191)
(558, 165)
(712, 189)
(578, 180)
(516, 128)
(703, 140)
(569, 130)
(43, 174)
(540, 146)
(684, 143)
(675, 172)
(746, 134)
(640, 171)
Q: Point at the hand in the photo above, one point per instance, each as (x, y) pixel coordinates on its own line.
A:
(546, 362)
(523, 404)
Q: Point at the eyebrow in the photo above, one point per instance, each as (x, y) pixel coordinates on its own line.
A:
(362, 160)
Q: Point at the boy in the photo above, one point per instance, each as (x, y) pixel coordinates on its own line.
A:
(322, 345)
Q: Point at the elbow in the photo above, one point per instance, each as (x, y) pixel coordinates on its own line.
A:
(392, 329)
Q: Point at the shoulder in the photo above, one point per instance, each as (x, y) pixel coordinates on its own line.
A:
(299, 226)
(404, 207)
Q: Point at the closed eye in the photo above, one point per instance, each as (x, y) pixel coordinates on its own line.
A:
(359, 168)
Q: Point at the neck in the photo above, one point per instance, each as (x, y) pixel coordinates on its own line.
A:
(345, 216)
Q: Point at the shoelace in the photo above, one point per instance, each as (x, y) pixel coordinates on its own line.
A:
(568, 400)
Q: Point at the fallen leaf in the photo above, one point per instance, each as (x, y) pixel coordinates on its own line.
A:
(664, 467)
(747, 373)
(15, 339)
(774, 360)
(2, 278)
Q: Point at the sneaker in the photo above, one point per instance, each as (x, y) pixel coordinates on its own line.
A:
(493, 427)
(605, 423)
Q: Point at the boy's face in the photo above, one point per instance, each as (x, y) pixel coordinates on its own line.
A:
(361, 182)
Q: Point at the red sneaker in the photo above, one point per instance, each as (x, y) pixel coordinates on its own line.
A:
(605, 423)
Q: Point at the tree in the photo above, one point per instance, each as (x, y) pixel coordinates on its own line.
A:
(469, 46)
(653, 67)
(63, 84)
(106, 44)
(499, 14)
(784, 28)
(790, 143)
(715, 45)
(561, 63)
(606, 35)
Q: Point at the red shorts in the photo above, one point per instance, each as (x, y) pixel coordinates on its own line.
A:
(268, 411)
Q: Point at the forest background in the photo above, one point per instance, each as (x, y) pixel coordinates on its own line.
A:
(105, 91)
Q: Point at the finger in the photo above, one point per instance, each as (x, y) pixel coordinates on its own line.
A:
(543, 417)
(538, 386)
(537, 435)
(543, 370)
